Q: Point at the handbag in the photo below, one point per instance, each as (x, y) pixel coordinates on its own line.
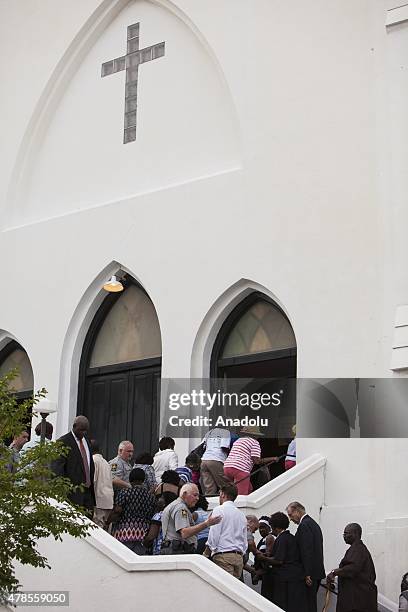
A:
(200, 450)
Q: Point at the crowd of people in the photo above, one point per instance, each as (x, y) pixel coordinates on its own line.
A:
(155, 507)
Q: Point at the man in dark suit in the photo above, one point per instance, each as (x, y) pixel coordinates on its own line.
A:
(309, 539)
(78, 464)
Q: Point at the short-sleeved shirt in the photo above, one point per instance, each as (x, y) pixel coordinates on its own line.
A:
(186, 475)
(241, 454)
(120, 468)
(202, 515)
(175, 517)
(216, 440)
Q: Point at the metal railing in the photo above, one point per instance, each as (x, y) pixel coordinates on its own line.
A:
(261, 467)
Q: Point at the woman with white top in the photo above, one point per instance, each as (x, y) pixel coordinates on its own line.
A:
(165, 458)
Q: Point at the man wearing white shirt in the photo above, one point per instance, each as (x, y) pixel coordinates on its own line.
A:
(217, 443)
(227, 541)
(165, 458)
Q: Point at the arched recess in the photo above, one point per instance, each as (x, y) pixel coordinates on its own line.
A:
(120, 370)
(255, 341)
(13, 355)
(246, 343)
(215, 318)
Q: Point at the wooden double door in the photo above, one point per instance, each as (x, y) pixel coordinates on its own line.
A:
(123, 405)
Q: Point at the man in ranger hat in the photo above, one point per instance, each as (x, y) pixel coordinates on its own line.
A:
(244, 454)
(179, 530)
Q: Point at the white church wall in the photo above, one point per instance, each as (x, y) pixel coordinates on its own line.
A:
(397, 91)
(112, 577)
(294, 207)
(365, 483)
(302, 216)
(192, 135)
(50, 44)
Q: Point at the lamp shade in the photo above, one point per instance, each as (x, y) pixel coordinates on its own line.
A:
(45, 406)
(113, 285)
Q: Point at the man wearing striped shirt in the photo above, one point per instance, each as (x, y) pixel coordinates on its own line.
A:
(244, 454)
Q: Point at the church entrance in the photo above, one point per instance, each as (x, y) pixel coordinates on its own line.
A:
(256, 345)
(120, 372)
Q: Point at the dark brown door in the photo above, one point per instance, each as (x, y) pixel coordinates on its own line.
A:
(123, 406)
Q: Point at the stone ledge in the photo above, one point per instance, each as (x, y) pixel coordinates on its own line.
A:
(397, 15)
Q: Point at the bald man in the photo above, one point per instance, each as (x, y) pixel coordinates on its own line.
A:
(356, 575)
(78, 464)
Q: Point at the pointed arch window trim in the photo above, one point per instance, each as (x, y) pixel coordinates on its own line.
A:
(84, 370)
(239, 311)
(98, 323)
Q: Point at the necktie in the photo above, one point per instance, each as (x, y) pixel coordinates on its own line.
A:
(85, 462)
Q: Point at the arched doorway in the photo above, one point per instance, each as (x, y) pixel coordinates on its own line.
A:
(120, 371)
(14, 356)
(256, 343)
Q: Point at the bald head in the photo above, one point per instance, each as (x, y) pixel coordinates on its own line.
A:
(80, 426)
(352, 533)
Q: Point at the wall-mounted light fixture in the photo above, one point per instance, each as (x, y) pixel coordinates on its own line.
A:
(113, 285)
(44, 408)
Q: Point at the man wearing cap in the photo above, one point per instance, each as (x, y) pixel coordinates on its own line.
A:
(244, 454)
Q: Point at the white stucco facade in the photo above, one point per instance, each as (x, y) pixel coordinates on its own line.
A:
(270, 155)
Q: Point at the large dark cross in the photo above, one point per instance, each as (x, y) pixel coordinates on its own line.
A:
(130, 62)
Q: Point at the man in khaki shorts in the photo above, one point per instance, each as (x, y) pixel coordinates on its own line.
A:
(227, 541)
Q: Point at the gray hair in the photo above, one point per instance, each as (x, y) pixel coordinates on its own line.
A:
(189, 487)
(123, 444)
(296, 506)
(252, 517)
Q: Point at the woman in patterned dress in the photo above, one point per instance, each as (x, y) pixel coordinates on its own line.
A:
(135, 507)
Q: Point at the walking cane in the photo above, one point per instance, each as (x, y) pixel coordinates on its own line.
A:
(327, 601)
(261, 467)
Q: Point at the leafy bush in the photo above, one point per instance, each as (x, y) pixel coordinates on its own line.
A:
(32, 500)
